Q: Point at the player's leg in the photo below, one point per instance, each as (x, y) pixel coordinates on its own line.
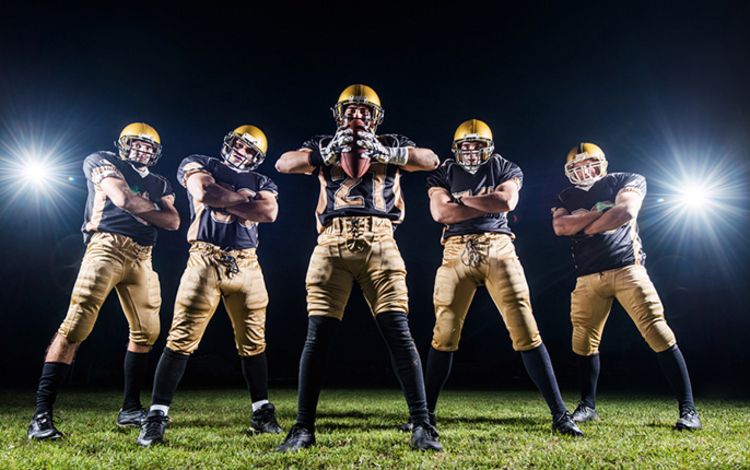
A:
(328, 285)
(246, 299)
(197, 298)
(637, 294)
(100, 270)
(590, 304)
(140, 297)
(453, 292)
(506, 284)
(383, 283)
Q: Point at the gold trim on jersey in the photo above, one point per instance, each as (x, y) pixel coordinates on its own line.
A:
(195, 224)
(322, 201)
(398, 197)
(636, 241)
(97, 210)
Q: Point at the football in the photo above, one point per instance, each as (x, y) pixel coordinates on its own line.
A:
(353, 163)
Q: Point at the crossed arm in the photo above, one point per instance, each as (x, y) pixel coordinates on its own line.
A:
(162, 214)
(445, 210)
(626, 208)
(298, 161)
(205, 190)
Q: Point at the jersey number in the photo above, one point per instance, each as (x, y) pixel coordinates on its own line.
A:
(342, 198)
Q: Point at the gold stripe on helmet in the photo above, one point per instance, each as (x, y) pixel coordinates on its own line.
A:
(585, 151)
(359, 94)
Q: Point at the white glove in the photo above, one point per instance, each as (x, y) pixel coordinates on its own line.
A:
(375, 149)
(340, 143)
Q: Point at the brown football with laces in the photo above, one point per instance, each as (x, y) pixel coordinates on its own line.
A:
(354, 164)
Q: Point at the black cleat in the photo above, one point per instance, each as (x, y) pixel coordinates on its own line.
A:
(264, 420)
(42, 428)
(130, 418)
(409, 425)
(424, 436)
(689, 420)
(152, 428)
(583, 413)
(565, 425)
(299, 437)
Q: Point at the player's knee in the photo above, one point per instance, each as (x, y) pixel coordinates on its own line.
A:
(251, 349)
(445, 343)
(527, 342)
(660, 337)
(182, 346)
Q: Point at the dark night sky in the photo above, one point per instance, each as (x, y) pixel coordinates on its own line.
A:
(654, 86)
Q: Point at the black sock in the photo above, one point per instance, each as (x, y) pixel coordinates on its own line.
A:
(406, 363)
(320, 333)
(439, 365)
(539, 367)
(53, 375)
(135, 368)
(255, 371)
(588, 375)
(169, 372)
(675, 370)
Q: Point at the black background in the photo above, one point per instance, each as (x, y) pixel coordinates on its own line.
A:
(655, 86)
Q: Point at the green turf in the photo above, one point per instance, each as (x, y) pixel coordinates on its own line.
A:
(358, 429)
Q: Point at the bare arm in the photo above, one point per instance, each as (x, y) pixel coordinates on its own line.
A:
(566, 224)
(626, 208)
(295, 161)
(445, 211)
(421, 159)
(503, 199)
(205, 190)
(164, 216)
(264, 209)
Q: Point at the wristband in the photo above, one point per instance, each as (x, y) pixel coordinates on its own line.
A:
(315, 159)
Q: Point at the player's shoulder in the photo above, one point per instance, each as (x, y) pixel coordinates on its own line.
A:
(204, 160)
(624, 175)
(100, 155)
(395, 140)
(501, 162)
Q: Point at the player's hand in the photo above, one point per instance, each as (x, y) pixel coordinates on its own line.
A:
(375, 149)
(603, 206)
(340, 143)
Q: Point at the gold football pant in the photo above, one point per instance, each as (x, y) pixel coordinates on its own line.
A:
(358, 249)
(592, 299)
(212, 274)
(115, 261)
(470, 261)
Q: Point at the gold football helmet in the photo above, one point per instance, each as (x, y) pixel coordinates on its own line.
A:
(138, 131)
(359, 94)
(252, 137)
(473, 130)
(589, 173)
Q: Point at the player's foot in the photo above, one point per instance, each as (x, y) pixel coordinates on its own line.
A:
(299, 437)
(130, 418)
(424, 436)
(563, 424)
(689, 420)
(584, 413)
(409, 425)
(152, 428)
(264, 420)
(42, 428)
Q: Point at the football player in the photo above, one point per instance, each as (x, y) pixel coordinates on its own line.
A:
(471, 195)
(598, 212)
(125, 205)
(356, 218)
(227, 202)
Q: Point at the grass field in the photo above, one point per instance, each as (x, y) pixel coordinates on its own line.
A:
(358, 429)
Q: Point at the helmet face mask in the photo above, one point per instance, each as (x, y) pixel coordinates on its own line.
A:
(243, 148)
(362, 112)
(585, 165)
(139, 144)
(472, 152)
(358, 97)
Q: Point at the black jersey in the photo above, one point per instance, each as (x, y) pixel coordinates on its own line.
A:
(102, 215)
(609, 250)
(377, 193)
(459, 182)
(215, 225)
